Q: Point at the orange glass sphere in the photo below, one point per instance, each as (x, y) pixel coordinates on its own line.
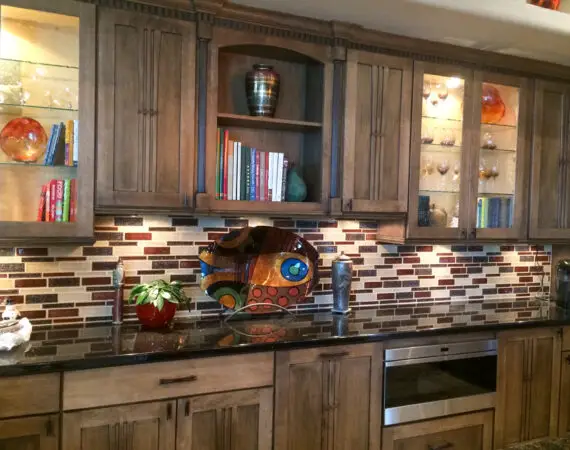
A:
(23, 139)
(492, 105)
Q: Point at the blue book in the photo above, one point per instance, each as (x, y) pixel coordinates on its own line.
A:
(494, 211)
(479, 211)
(253, 190)
(510, 207)
(49, 144)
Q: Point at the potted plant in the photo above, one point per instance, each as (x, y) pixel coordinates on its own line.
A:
(157, 302)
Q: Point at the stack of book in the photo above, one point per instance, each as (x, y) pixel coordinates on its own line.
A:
(58, 201)
(63, 144)
(494, 212)
(246, 173)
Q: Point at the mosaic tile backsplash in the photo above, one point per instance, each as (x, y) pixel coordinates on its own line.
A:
(62, 284)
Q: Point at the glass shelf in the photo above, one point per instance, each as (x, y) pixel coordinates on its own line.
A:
(34, 63)
(496, 194)
(501, 125)
(35, 107)
(447, 119)
(438, 148)
(439, 191)
(503, 150)
(34, 165)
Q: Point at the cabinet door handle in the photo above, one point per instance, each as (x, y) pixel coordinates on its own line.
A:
(187, 408)
(334, 355)
(473, 234)
(568, 359)
(349, 205)
(463, 233)
(49, 428)
(445, 446)
(169, 411)
(166, 381)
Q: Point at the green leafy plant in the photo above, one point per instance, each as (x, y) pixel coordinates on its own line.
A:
(157, 292)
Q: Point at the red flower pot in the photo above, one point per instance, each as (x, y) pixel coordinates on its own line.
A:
(151, 317)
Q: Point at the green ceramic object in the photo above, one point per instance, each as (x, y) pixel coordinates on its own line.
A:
(296, 187)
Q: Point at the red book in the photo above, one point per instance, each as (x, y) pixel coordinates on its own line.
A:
(59, 200)
(257, 177)
(42, 206)
(73, 201)
(52, 195)
(266, 175)
(226, 168)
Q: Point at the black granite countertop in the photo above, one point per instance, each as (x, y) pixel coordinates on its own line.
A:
(77, 348)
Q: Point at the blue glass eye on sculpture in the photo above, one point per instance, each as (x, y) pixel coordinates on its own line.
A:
(264, 265)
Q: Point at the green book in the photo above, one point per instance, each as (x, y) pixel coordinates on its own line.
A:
(484, 212)
(242, 170)
(66, 199)
(218, 167)
(247, 152)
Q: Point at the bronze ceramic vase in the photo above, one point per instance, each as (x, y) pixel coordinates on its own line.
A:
(262, 90)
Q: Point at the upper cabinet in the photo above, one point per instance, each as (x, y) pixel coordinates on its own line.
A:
(470, 155)
(146, 108)
(47, 94)
(258, 163)
(375, 166)
(550, 197)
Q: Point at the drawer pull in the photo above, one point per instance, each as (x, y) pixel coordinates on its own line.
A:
(49, 428)
(446, 446)
(166, 381)
(187, 408)
(334, 355)
(169, 411)
(568, 359)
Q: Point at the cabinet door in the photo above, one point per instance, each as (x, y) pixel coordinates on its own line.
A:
(527, 386)
(376, 136)
(564, 410)
(550, 200)
(511, 403)
(146, 111)
(542, 408)
(465, 432)
(30, 433)
(440, 175)
(500, 158)
(238, 420)
(146, 426)
(329, 398)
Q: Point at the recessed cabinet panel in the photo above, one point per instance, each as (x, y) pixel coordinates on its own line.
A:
(376, 141)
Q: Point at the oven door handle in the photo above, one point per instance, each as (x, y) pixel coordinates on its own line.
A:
(407, 362)
(444, 446)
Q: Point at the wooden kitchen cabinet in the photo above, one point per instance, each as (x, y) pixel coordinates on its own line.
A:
(146, 104)
(240, 420)
(550, 199)
(528, 382)
(145, 426)
(564, 409)
(329, 398)
(464, 432)
(30, 433)
(376, 148)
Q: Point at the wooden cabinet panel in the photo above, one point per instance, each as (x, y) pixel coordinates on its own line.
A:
(564, 404)
(240, 420)
(146, 111)
(30, 433)
(376, 136)
(550, 201)
(465, 432)
(527, 386)
(329, 398)
(27, 395)
(147, 426)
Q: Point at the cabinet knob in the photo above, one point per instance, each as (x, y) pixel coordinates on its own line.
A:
(145, 111)
(473, 234)
(463, 233)
(568, 359)
(349, 205)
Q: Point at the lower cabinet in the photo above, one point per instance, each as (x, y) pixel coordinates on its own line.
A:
(145, 426)
(528, 382)
(564, 412)
(30, 433)
(240, 420)
(329, 398)
(465, 432)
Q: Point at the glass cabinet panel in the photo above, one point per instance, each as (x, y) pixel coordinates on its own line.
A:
(39, 89)
(441, 151)
(497, 169)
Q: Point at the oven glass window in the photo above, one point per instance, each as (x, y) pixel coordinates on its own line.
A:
(442, 380)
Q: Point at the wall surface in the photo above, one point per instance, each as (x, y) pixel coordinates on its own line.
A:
(59, 285)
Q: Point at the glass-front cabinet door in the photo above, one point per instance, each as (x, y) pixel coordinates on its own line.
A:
(501, 145)
(442, 102)
(46, 119)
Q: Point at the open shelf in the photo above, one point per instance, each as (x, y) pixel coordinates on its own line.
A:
(266, 123)
(259, 207)
(14, 164)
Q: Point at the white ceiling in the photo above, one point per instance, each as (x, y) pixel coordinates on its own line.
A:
(504, 26)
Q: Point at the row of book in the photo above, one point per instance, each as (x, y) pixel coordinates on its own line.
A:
(58, 201)
(494, 212)
(246, 173)
(63, 144)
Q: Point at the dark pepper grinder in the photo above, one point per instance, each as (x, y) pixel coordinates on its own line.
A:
(119, 284)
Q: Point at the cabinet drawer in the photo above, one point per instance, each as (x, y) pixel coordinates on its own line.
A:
(129, 384)
(27, 395)
(465, 432)
(566, 339)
